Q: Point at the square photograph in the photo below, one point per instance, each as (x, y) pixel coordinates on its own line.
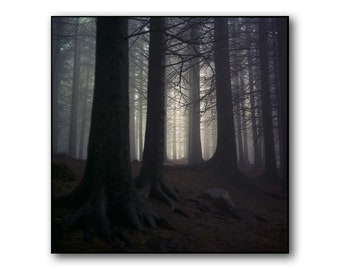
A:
(169, 134)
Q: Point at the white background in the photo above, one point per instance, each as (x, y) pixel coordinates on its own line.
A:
(25, 134)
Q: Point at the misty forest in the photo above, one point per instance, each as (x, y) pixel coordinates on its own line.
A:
(169, 134)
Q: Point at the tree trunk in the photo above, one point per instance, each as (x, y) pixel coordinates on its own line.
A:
(194, 131)
(174, 137)
(83, 115)
(75, 93)
(151, 178)
(254, 122)
(225, 156)
(140, 115)
(282, 30)
(269, 147)
(132, 127)
(239, 135)
(245, 135)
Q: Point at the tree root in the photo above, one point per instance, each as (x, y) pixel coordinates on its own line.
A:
(97, 217)
(156, 187)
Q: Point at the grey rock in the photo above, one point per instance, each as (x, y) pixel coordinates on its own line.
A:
(221, 200)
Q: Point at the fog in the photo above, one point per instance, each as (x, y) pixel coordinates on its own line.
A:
(73, 45)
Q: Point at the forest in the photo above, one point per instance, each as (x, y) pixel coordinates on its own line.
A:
(169, 135)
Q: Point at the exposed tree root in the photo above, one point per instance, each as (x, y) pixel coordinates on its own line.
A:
(97, 217)
(157, 188)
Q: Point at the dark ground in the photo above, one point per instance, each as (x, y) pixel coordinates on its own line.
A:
(262, 227)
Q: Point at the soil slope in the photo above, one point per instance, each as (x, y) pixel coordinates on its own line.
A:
(262, 227)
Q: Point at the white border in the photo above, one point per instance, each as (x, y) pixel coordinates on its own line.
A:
(25, 133)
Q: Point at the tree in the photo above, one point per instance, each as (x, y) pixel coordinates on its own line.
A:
(106, 193)
(84, 113)
(254, 116)
(225, 156)
(75, 94)
(282, 30)
(151, 178)
(194, 138)
(269, 146)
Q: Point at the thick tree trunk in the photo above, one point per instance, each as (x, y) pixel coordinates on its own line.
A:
(151, 178)
(75, 93)
(269, 147)
(225, 156)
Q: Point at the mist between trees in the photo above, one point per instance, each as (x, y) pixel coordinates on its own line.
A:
(257, 76)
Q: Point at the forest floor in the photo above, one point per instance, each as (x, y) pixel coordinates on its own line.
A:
(262, 227)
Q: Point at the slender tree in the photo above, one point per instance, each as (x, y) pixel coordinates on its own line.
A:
(194, 137)
(253, 116)
(282, 30)
(269, 147)
(75, 94)
(84, 113)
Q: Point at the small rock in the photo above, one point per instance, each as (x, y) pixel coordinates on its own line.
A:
(221, 200)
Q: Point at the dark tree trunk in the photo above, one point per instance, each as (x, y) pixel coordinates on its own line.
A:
(75, 93)
(194, 136)
(151, 179)
(107, 192)
(282, 30)
(269, 147)
(225, 156)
